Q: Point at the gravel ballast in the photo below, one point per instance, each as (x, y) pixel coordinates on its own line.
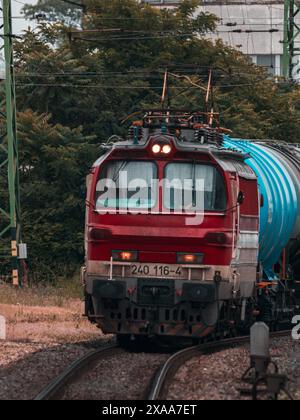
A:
(43, 341)
(25, 368)
(123, 376)
(218, 376)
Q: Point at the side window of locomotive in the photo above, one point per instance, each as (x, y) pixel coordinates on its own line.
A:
(127, 185)
(195, 187)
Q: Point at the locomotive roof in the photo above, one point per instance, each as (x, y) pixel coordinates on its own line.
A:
(189, 131)
(218, 152)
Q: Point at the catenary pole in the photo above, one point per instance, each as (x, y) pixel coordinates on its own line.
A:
(10, 207)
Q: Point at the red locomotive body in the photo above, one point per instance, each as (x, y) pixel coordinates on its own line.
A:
(154, 266)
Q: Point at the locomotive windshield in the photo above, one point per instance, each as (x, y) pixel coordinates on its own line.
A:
(204, 187)
(127, 184)
(135, 185)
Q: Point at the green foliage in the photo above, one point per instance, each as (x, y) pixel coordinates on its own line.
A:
(45, 81)
(93, 80)
(55, 160)
(101, 77)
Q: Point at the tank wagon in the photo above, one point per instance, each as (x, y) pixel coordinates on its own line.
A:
(190, 232)
(277, 167)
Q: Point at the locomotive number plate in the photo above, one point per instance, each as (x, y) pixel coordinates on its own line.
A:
(156, 270)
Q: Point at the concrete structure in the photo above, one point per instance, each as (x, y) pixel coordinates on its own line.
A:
(243, 25)
(264, 48)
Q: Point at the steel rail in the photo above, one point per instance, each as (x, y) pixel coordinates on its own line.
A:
(160, 381)
(166, 373)
(56, 386)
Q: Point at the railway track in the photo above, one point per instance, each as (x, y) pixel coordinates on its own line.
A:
(56, 387)
(160, 381)
(165, 375)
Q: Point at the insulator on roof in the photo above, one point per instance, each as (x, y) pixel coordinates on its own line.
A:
(131, 133)
(209, 136)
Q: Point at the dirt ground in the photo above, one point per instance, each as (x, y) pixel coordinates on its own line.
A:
(35, 317)
(45, 333)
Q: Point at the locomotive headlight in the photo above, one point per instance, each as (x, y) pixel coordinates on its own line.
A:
(166, 149)
(163, 149)
(156, 149)
(126, 256)
(189, 258)
(183, 258)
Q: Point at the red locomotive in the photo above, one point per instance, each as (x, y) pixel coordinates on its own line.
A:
(172, 231)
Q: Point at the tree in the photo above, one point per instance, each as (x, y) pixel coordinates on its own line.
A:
(54, 162)
(74, 89)
(116, 67)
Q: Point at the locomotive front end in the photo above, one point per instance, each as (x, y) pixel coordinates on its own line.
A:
(161, 235)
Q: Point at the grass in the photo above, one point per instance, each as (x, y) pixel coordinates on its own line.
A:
(59, 295)
(46, 313)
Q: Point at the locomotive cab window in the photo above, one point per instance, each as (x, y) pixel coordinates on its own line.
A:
(127, 184)
(193, 186)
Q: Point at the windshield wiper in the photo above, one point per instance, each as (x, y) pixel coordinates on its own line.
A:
(116, 178)
(117, 174)
(194, 191)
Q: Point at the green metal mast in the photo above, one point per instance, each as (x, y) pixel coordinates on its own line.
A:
(9, 167)
(291, 33)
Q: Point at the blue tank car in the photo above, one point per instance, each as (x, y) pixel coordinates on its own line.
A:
(277, 166)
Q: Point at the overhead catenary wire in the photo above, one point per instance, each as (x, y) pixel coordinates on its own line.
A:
(145, 38)
(137, 73)
(20, 2)
(111, 39)
(136, 87)
(192, 67)
(50, 76)
(74, 3)
(223, 23)
(167, 33)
